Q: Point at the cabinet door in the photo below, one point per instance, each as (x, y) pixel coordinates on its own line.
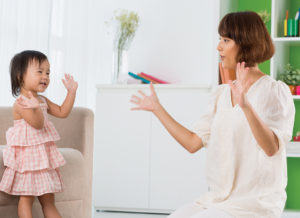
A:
(177, 177)
(121, 152)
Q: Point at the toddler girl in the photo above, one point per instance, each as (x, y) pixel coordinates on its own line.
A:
(31, 157)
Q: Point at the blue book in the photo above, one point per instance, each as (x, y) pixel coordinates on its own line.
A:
(138, 77)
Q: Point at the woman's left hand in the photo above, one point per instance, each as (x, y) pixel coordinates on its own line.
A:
(239, 87)
(69, 83)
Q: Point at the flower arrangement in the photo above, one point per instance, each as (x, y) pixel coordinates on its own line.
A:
(127, 23)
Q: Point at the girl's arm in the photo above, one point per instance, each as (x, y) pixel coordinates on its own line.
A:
(29, 110)
(189, 140)
(64, 110)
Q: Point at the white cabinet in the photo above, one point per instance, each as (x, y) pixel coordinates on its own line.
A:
(121, 152)
(138, 166)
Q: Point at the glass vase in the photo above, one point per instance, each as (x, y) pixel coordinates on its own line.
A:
(120, 67)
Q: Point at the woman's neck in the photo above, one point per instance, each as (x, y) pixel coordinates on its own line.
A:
(254, 73)
(255, 69)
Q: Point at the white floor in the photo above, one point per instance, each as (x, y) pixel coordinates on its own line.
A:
(127, 215)
(140, 215)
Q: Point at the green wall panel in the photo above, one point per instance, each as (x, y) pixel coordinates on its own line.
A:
(293, 187)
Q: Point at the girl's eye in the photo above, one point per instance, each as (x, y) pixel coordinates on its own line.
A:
(40, 71)
(48, 73)
(226, 40)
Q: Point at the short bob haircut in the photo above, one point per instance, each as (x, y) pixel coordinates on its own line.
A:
(250, 34)
(19, 65)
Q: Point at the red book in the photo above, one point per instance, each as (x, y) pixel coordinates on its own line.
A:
(154, 78)
(147, 78)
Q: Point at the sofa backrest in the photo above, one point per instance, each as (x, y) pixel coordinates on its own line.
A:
(6, 121)
(75, 131)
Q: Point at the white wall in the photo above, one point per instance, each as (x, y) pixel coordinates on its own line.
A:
(176, 41)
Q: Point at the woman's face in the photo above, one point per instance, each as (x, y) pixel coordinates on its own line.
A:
(228, 52)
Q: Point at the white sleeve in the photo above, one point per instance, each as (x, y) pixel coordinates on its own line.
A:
(279, 112)
(203, 127)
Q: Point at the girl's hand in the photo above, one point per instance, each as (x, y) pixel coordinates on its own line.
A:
(147, 103)
(239, 87)
(69, 83)
(28, 103)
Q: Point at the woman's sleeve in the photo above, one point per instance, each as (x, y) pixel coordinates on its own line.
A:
(279, 112)
(203, 126)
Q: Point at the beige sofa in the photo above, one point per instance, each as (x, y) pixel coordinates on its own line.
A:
(76, 145)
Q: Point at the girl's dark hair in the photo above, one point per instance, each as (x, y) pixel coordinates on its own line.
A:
(18, 67)
(250, 34)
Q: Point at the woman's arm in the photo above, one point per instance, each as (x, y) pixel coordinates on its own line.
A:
(264, 136)
(64, 110)
(189, 140)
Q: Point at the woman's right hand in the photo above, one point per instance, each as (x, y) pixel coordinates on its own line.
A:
(147, 103)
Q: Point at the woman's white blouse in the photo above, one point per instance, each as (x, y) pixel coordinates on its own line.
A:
(242, 179)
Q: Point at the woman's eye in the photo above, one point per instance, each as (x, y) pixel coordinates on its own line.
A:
(48, 73)
(40, 71)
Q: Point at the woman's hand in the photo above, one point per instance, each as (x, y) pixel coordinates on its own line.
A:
(148, 103)
(240, 86)
(69, 83)
(28, 103)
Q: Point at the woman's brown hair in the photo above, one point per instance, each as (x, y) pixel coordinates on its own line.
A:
(250, 34)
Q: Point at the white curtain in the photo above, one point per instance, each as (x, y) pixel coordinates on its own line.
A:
(23, 25)
(58, 28)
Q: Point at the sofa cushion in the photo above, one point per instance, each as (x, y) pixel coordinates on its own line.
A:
(72, 173)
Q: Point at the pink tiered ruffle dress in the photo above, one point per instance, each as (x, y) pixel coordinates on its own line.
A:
(32, 159)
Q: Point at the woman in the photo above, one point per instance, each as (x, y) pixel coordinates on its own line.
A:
(245, 132)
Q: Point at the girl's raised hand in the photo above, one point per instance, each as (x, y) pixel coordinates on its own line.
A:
(28, 103)
(147, 103)
(69, 83)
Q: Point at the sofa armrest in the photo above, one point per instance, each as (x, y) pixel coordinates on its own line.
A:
(77, 132)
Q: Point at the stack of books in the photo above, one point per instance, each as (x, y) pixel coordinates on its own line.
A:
(146, 78)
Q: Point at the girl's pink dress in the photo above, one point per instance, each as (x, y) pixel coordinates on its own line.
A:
(32, 159)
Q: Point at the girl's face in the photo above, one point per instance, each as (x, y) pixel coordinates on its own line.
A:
(228, 52)
(36, 78)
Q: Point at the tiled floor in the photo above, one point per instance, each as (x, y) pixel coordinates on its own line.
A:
(140, 215)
